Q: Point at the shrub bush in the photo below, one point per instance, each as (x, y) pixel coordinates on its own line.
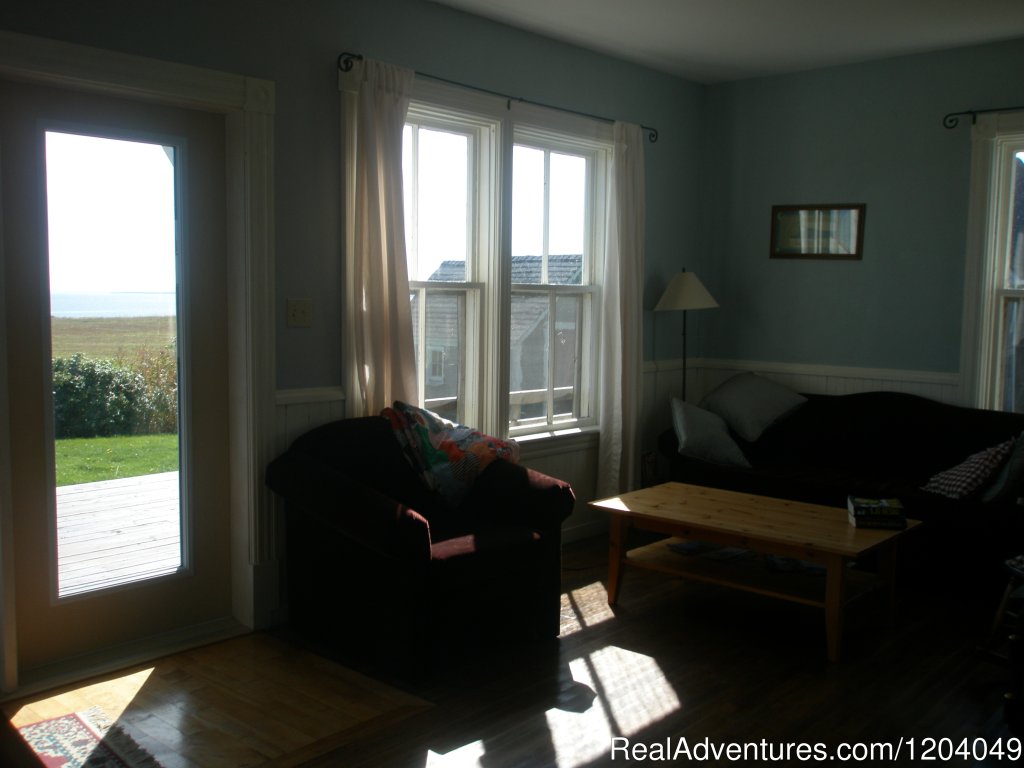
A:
(158, 413)
(94, 398)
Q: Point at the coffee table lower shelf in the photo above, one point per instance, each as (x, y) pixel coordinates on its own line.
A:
(750, 574)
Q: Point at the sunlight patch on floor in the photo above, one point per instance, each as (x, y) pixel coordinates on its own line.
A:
(471, 754)
(632, 693)
(112, 696)
(584, 607)
(629, 690)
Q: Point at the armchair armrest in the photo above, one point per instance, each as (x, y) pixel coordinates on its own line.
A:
(511, 493)
(346, 506)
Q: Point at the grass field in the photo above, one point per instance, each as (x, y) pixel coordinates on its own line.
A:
(111, 337)
(91, 459)
(86, 460)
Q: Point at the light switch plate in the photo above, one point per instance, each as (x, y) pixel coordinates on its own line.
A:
(299, 313)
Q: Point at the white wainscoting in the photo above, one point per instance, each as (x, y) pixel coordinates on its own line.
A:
(573, 457)
(300, 410)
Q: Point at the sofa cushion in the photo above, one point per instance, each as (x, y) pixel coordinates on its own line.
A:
(971, 474)
(705, 435)
(750, 403)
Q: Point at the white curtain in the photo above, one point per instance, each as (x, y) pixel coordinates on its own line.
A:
(622, 317)
(378, 324)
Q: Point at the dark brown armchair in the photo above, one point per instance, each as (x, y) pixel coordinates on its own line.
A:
(381, 569)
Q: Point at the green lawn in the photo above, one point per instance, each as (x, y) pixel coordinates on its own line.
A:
(89, 459)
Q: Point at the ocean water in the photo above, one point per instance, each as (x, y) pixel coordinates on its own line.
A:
(112, 304)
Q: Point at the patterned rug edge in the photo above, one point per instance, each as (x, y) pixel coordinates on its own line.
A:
(108, 738)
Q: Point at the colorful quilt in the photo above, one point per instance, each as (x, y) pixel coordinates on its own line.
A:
(448, 456)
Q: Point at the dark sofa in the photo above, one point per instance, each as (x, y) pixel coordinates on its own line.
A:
(380, 569)
(822, 448)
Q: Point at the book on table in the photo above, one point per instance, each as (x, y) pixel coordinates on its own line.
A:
(866, 512)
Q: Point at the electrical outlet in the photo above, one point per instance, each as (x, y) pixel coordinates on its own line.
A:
(299, 313)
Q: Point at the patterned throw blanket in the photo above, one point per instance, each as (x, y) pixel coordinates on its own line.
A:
(446, 455)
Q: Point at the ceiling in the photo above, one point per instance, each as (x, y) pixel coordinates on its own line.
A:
(711, 41)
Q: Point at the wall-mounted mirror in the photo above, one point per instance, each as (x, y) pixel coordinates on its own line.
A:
(817, 231)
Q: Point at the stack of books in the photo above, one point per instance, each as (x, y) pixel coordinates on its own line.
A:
(876, 513)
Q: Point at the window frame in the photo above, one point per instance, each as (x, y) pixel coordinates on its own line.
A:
(499, 124)
(996, 139)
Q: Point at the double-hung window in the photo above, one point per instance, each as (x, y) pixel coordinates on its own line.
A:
(994, 333)
(505, 224)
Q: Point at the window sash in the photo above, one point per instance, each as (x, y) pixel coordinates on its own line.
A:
(451, 406)
(582, 389)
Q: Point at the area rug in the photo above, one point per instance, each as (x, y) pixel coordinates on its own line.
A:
(84, 740)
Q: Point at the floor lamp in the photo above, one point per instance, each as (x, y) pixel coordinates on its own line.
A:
(686, 291)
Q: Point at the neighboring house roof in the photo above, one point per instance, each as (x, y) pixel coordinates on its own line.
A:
(442, 323)
(563, 269)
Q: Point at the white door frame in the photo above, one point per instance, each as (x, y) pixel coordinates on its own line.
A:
(248, 106)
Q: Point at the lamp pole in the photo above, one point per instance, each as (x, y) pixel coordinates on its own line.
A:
(684, 292)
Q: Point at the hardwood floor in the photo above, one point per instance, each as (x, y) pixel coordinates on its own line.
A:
(671, 659)
(254, 700)
(676, 659)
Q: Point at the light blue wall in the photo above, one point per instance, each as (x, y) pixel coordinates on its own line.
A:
(870, 133)
(296, 45)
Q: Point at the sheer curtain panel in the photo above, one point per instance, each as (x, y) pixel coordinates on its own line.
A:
(379, 352)
(622, 317)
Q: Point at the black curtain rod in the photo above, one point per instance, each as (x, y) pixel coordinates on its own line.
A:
(952, 120)
(347, 60)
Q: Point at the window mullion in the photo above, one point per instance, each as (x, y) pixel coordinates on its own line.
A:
(414, 249)
(421, 352)
(552, 340)
(546, 224)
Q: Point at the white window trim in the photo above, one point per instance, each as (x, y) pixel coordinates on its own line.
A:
(993, 137)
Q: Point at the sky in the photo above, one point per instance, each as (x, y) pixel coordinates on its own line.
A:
(110, 207)
(442, 224)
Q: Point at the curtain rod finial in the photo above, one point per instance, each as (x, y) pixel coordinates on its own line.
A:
(347, 60)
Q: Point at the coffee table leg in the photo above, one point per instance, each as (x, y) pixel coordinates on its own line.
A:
(617, 527)
(887, 571)
(835, 597)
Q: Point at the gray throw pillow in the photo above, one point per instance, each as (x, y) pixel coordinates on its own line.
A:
(750, 403)
(703, 435)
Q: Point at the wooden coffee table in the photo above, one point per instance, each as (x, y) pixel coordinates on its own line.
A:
(807, 532)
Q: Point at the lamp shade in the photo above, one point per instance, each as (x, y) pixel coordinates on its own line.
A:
(686, 291)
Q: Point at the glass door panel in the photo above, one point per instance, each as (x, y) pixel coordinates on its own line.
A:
(113, 312)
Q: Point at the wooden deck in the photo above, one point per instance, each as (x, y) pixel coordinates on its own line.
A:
(117, 531)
